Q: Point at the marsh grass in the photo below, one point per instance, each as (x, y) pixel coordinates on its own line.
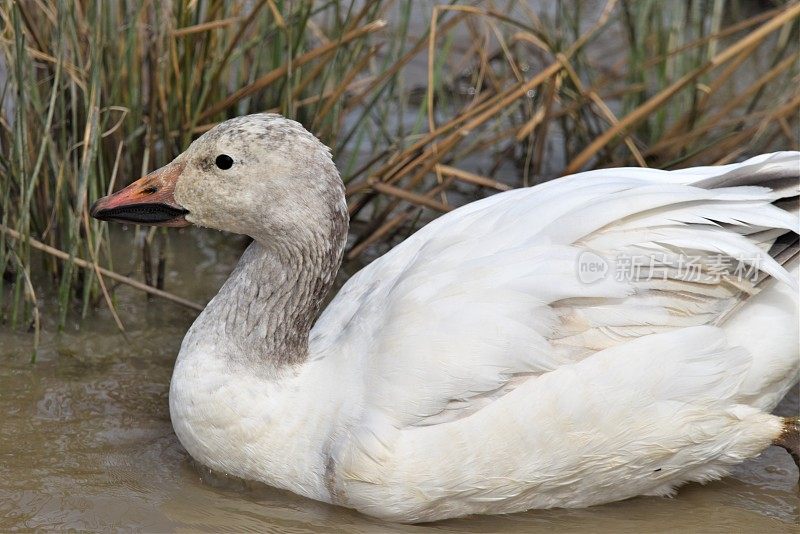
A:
(444, 104)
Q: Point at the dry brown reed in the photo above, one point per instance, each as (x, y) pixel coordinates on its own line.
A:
(443, 104)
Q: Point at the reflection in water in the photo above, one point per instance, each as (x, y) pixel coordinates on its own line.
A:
(86, 441)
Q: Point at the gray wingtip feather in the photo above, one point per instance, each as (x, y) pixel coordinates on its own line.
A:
(779, 172)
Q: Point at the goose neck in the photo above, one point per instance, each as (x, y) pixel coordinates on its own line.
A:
(270, 302)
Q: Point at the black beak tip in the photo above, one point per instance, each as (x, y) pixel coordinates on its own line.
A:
(97, 212)
(93, 211)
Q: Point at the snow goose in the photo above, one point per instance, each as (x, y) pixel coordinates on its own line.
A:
(615, 333)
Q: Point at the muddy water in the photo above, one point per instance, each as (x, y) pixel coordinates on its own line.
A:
(86, 442)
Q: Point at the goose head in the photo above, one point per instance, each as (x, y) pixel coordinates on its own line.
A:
(260, 175)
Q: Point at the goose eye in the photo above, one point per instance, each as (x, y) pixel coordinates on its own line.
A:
(224, 162)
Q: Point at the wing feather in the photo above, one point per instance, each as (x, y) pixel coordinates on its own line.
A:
(485, 298)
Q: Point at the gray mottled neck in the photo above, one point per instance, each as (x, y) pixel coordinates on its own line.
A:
(268, 305)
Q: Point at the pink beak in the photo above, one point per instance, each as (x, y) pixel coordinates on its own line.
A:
(149, 200)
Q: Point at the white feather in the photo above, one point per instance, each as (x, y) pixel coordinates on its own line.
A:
(472, 370)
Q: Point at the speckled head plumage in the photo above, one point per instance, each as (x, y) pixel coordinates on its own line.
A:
(276, 181)
(281, 180)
